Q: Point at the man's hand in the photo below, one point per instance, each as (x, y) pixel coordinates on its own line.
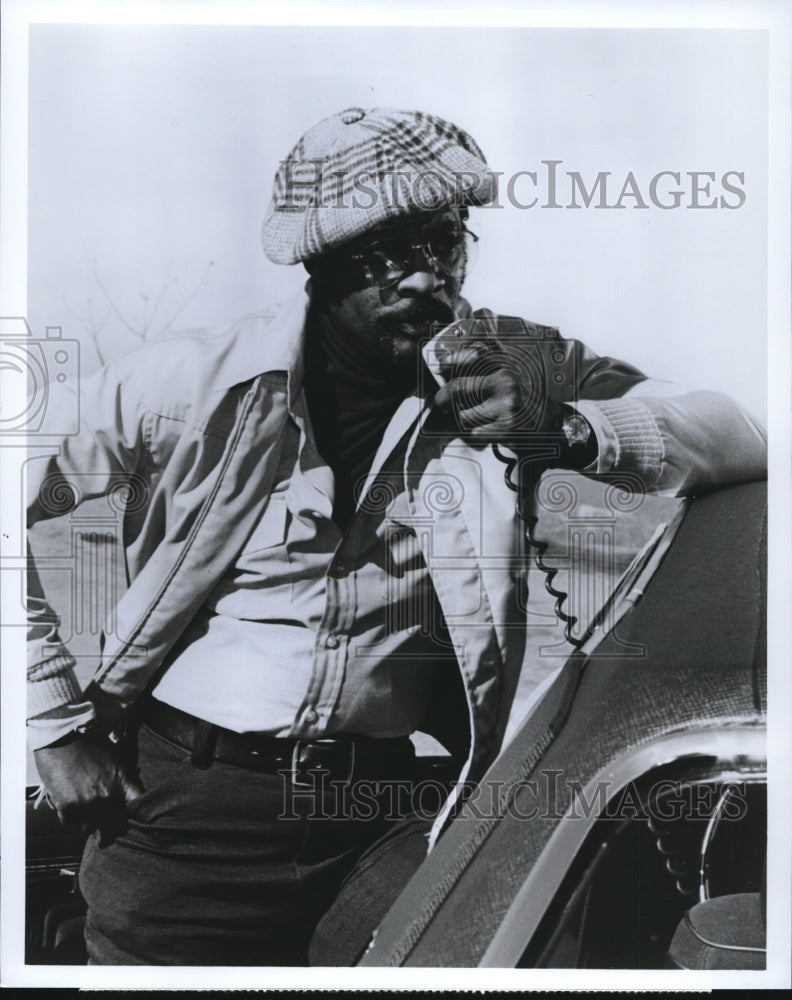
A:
(492, 393)
(87, 786)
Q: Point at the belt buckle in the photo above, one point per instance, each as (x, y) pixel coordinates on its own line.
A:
(299, 770)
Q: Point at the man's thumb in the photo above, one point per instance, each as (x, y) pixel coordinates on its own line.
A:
(131, 787)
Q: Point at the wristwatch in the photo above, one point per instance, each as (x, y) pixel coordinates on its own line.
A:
(580, 447)
(576, 428)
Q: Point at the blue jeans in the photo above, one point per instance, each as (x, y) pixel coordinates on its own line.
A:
(217, 866)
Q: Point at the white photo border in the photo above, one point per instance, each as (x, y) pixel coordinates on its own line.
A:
(768, 16)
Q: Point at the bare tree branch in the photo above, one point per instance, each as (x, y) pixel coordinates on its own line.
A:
(142, 324)
(202, 283)
(92, 326)
(168, 280)
(119, 315)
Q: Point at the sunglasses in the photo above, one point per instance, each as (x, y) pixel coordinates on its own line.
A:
(443, 248)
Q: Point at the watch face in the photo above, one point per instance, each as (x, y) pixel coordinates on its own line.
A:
(576, 429)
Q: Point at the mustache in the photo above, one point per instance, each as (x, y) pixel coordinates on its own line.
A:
(421, 311)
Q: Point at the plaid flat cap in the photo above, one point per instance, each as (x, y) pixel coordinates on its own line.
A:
(362, 167)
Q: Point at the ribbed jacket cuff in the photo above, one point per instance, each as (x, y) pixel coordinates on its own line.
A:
(628, 437)
(54, 685)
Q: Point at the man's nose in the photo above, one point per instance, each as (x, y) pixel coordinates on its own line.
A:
(423, 281)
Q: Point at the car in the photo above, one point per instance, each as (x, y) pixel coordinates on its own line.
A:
(623, 825)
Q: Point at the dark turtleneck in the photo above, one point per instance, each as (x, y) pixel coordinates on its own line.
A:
(353, 388)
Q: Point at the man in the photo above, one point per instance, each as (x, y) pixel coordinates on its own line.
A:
(321, 551)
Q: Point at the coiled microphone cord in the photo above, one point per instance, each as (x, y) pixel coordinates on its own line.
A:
(540, 547)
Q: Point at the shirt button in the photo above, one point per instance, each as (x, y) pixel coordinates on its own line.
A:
(332, 642)
(311, 716)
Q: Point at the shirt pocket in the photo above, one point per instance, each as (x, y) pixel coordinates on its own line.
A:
(271, 528)
(259, 584)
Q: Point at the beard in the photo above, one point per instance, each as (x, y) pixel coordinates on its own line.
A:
(399, 336)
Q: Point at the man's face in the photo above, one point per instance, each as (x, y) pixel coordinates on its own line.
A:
(411, 275)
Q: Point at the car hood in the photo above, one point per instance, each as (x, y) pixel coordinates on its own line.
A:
(684, 666)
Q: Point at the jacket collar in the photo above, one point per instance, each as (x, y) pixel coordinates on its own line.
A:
(273, 341)
(263, 343)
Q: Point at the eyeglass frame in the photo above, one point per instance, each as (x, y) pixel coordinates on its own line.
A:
(334, 266)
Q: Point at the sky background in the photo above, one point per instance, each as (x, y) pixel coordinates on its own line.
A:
(152, 151)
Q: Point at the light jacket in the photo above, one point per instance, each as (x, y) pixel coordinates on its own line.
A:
(188, 429)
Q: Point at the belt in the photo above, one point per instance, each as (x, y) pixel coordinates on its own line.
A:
(343, 757)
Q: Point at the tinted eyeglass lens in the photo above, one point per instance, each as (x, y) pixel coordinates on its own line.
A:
(387, 261)
(384, 262)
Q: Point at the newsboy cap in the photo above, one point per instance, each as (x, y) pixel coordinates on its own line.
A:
(361, 168)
